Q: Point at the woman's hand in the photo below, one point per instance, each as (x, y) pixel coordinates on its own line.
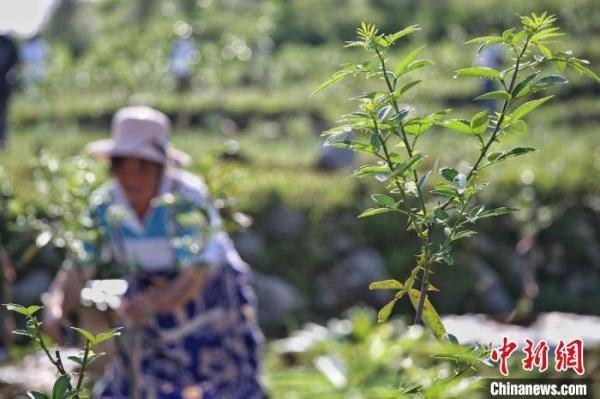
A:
(174, 295)
(137, 308)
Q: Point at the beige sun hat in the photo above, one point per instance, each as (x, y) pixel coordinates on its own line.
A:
(140, 132)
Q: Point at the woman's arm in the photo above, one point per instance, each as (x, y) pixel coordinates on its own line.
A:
(167, 297)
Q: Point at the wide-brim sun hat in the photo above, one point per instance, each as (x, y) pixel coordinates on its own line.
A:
(140, 132)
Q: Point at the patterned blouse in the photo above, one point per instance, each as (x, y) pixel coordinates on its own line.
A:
(210, 348)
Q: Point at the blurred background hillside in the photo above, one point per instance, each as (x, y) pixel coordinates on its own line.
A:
(243, 112)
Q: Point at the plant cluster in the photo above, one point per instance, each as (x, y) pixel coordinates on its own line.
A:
(442, 211)
(65, 386)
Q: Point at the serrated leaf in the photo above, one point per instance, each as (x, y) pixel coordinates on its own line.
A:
(13, 307)
(494, 156)
(448, 173)
(423, 180)
(477, 72)
(479, 122)
(520, 88)
(106, 335)
(526, 108)
(430, 316)
(383, 113)
(32, 310)
(60, 387)
(337, 76)
(496, 212)
(515, 152)
(416, 65)
(374, 211)
(406, 88)
(354, 145)
(484, 39)
(368, 170)
(407, 60)
(459, 125)
(36, 395)
(384, 200)
(86, 334)
(450, 339)
(385, 312)
(386, 285)
(24, 333)
(516, 127)
(402, 167)
(494, 95)
(404, 32)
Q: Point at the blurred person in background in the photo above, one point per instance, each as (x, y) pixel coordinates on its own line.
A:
(183, 53)
(189, 301)
(34, 56)
(490, 57)
(9, 57)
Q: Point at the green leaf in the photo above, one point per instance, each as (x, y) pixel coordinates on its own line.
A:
(13, 307)
(407, 60)
(60, 387)
(462, 234)
(448, 173)
(459, 125)
(417, 126)
(24, 333)
(551, 80)
(354, 145)
(477, 72)
(527, 108)
(494, 156)
(386, 285)
(494, 95)
(518, 127)
(106, 335)
(374, 211)
(36, 395)
(520, 88)
(402, 167)
(515, 152)
(406, 88)
(430, 316)
(484, 39)
(384, 200)
(404, 32)
(383, 113)
(367, 170)
(450, 339)
(76, 359)
(445, 191)
(86, 334)
(337, 76)
(384, 312)
(496, 212)
(423, 180)
(460, 182)
(479, 122)
(416, 65)
(32, 310)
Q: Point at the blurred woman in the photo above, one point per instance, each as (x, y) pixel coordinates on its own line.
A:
(189, 301)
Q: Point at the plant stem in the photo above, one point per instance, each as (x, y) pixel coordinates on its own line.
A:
(424, 289)
(83, 366)
(45, 348)
(503, 112)
(409, 150)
